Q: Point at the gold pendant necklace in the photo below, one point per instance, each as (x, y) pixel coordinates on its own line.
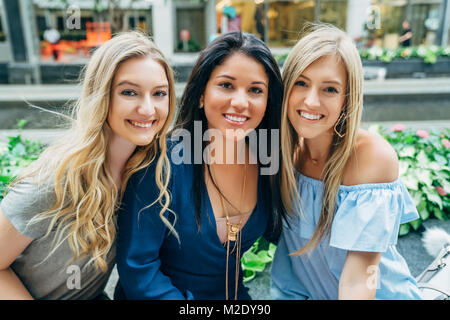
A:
(234, 233)
(233, 230)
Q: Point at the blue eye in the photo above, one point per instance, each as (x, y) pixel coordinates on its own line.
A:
(129, 93)
(331, 90)
(160, 94)
(300, 83)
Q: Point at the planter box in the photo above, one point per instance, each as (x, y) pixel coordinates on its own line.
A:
(3, 73)
(60, 73)
(414, 67)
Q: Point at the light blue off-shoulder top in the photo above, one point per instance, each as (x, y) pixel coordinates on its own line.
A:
(367, 218)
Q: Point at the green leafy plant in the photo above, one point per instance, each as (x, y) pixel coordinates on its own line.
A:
(256, 258)
(424, 165)
(15, 155)
(429, 54)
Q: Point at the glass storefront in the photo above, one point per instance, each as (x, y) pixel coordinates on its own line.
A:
(244, 15)
(278, 21)
(190, 26)
(423, 15)
(334, 12)
(2, 30)
(425, 20)
(91, 27)
(392, 14)
(286, 19)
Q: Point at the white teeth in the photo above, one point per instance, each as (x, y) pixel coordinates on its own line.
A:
(310, 116)
(142, 125)
(236, 119)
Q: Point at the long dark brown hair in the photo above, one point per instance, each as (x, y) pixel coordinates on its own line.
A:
(189, 112)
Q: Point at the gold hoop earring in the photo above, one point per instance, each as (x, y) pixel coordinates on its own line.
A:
(337, 122)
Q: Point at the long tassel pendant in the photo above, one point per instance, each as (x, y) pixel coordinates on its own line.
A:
(233, 230)
(234, 234)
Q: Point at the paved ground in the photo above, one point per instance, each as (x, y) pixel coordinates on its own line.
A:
(410, 246)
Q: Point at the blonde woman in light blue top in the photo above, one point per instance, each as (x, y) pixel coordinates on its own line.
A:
(340, 183)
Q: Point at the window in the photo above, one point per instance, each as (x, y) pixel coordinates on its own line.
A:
(334, 12)
(2, 30)
(193, 20)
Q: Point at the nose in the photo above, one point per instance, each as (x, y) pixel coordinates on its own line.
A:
(146, 107)
(239, 100)
(312, 98)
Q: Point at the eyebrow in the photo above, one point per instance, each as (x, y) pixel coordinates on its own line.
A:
(121, 83)
(232, 78)
(165, 85)
(328, 81)
(334, 82)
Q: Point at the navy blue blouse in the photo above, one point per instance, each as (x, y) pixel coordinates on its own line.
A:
(152, 264)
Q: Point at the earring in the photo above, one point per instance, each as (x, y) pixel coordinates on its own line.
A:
(201, 106)
(335, 130)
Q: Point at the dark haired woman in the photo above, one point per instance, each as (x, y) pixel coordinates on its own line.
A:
(224, 193)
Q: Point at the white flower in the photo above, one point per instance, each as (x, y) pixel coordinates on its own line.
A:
(422, 51)
(375, 52)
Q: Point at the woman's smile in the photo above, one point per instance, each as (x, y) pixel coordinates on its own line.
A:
(142, 124)
(236, 119)
(309, 116)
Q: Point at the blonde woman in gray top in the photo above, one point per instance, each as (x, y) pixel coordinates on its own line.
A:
(57, 220)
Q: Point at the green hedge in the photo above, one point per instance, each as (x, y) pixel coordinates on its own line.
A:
(16, 154)
(429, 54)
(424, 165)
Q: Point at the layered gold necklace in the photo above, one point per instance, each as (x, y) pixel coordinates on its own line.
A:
(234, 234)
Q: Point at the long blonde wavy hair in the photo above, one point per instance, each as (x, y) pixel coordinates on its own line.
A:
(321, 40)
(76, 166)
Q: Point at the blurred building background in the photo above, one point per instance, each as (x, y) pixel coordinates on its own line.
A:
(186, 26)
(33, 70)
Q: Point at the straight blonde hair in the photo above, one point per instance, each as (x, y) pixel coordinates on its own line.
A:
(321, 40)
(76, 166)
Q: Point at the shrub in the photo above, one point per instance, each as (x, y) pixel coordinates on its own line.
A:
(424, 165)
(15, 155)
(429, 54)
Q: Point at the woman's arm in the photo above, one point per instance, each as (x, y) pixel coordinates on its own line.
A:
(12, 244)
(359, 276)
(140, 237)
(139, 241)
(374, 161)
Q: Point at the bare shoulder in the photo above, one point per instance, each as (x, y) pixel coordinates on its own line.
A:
(373, 161)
